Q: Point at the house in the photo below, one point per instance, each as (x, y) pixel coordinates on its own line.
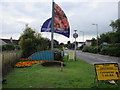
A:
(80, 44)
(88, 43)
(8, 41)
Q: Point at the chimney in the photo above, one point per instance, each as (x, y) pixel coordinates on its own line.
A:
(11, 41)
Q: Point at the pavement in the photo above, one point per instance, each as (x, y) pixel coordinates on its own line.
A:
(94, 58)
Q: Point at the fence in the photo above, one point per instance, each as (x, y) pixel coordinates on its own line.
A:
(9, 58)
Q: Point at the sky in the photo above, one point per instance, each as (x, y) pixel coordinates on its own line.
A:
(81, 14)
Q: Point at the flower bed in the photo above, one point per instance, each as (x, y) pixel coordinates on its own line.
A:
(26, 63)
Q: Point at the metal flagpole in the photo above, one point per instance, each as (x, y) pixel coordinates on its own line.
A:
(52, 27)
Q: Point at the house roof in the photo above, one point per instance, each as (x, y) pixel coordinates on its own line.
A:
(88, 40)
(9, 41)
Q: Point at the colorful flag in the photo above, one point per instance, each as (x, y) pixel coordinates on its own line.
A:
(61, 25)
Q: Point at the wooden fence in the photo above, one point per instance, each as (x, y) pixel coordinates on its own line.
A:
(9, 58)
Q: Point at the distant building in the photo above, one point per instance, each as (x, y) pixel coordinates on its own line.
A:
(88, 42)
(8, 41)
(80, 44)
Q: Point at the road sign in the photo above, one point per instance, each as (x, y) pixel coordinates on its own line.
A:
(75, 35)
(71, 55)
(107, 71)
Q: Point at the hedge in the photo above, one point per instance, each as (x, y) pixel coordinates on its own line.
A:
(110, 49)
(8, 47)
(91, 49)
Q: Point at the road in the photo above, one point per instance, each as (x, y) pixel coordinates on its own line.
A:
(94, 58)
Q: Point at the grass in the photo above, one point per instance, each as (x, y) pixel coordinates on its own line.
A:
(76, 74)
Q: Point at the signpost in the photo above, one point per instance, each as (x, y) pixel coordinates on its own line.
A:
(71, 56)
(107, 71)
(75, 35)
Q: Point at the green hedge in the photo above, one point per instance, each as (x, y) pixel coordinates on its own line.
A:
(8, 47)
(112, 50)
(91, 49)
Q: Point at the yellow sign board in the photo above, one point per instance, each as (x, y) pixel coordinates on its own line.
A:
(107, 71)
(71, 55)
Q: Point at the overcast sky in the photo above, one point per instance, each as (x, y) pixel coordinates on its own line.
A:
(81, 15)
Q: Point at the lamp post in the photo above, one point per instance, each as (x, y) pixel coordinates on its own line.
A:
(97, 35)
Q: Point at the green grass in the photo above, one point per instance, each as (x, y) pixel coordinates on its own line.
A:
(76, 74)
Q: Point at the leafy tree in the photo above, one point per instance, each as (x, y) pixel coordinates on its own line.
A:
(56, 44)
(42, 44)
(116, 27)
(32, 41)
(109, 37)
(68, 44)
(27, 42)
(93, 42)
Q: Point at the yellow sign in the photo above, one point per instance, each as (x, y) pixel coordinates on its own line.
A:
(71, 55)
(107, 71)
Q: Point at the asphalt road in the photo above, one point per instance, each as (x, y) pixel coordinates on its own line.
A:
(94, 58)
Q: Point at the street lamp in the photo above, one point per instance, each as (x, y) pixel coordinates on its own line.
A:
(97, 35)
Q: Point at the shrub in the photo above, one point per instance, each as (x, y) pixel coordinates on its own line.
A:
(8, 47)
(111, 49)
(91, 49)
(104, 51)
(58, 54)
(85, 49)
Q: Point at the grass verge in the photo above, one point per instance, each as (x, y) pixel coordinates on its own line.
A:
(76, 74)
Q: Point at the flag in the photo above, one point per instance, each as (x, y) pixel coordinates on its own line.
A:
(61, 25)
(46, 27)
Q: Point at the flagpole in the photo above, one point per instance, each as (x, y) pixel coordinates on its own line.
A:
(52, 27)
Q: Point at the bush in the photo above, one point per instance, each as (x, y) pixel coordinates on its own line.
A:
(104, 51)
(58, 55)
(85, 49)
(91, 49)
(8, 47)
(112, 50)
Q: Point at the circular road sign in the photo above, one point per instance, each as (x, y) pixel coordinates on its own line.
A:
(75, 35)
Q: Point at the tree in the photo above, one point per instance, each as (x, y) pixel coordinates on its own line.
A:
(93, 42)
(116, 27)
(56, 44)
(27, 42)
(42, 44)
(31, 41)
(108, 37)
(68, 44)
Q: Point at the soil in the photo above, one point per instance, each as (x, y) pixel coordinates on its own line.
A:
(52, 64)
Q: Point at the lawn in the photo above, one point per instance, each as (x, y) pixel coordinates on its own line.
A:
(76, 74)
